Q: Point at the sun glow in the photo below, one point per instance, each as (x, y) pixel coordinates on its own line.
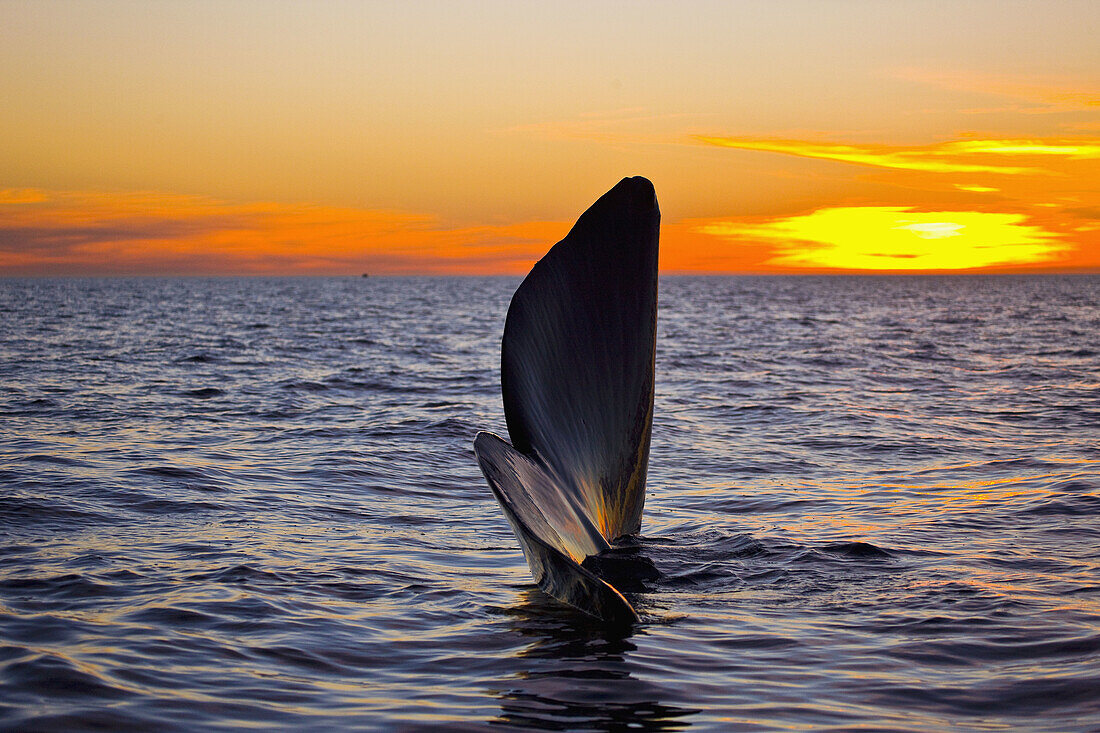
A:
(897, 238)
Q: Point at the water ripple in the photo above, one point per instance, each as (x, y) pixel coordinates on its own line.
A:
(873, 504)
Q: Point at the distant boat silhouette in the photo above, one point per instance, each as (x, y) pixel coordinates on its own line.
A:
(364, 275)
(577, 380)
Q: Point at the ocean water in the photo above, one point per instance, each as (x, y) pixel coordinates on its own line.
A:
(225, 503)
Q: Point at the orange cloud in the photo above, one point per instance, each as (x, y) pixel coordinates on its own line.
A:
(1076, 149)
(975, 188)
(67, 233)
(43, 232)
(948, 157)
(21, 196)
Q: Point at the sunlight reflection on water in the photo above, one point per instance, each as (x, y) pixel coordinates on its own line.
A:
(873, 502)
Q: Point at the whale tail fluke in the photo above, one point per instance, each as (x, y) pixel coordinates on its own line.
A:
(577, 380)
(555, 539)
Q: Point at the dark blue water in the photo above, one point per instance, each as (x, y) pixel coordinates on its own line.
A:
(874, 502)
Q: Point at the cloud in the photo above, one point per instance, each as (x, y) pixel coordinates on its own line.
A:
(89, 233)
(21, 196)
(66, 232)
(1075, 149)
(893, 238)
(961, 156)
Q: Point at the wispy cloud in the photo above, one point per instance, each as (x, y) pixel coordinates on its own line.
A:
(959, 156)
(43, 232)
(975, 188)
(51, 232)
(1066, 148)
(21, 196)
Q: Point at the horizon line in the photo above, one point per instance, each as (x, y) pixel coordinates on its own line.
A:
(1086, 272)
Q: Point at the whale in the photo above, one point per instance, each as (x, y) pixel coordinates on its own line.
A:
(577, 381)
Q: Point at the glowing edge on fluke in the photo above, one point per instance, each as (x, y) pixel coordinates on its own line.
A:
(577, 380)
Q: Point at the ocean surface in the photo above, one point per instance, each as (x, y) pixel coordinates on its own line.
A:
(226, 503)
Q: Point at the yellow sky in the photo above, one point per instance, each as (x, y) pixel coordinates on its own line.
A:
(340, 137)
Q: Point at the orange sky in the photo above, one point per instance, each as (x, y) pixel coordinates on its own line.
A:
(342, 137)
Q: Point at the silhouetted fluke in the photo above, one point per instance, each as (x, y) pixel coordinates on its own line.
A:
(577, 377)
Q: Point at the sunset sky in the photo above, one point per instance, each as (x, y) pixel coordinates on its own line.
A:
(453, 138)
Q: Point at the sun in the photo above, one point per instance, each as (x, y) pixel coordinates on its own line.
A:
(897, 238)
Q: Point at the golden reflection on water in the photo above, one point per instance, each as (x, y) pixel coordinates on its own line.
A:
(576, 675)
